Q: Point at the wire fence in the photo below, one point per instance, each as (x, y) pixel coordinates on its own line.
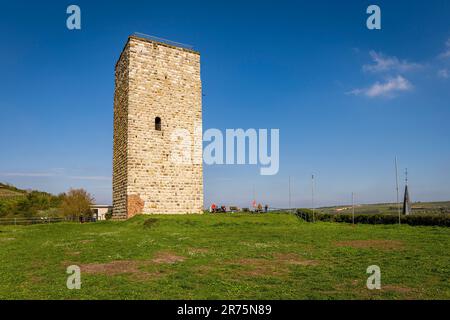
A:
(43, 220)
(283, 209)
(28, 221)
(46, 220)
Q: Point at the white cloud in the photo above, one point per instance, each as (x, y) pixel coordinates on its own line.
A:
(388, 66)
(99, 178)
(27, 174)
(383, 63)
(385, 89)
(443, 73)
(54, 173)
(446, 53)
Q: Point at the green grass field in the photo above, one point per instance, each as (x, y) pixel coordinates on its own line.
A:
(238, 256)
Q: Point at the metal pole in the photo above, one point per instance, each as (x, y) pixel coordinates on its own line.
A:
(396, 186)
(353, 209)
(312, 197)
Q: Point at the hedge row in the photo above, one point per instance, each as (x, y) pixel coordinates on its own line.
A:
(413, 220)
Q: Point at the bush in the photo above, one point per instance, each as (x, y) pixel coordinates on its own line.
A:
(109, 214)
(77, 203)
(413, 220)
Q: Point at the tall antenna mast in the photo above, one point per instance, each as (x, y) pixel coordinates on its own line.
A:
(406, 176)
(407, 200)
(396, 187)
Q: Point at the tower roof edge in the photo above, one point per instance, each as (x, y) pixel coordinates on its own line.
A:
(164, 42)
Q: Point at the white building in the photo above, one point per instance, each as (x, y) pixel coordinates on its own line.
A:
(99, 211)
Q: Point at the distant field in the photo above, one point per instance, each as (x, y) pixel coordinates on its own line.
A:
(237, 256)
(8, 193)
(391, 208)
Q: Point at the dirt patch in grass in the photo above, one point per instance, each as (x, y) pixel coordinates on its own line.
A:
(36, 279)
(143, 276)
(277, 265)
(167, 257)
(132, 267)
(261, 268)
(113, 267)
(203, 270)
(292, 258)
(118, 267)
(371, 244)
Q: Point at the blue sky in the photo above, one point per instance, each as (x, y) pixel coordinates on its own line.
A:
(346, 99)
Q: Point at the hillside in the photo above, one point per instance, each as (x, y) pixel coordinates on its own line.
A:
(17, 203)
(391, 208)
(7, 191)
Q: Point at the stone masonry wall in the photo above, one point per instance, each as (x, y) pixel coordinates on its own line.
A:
(160, 81)
(120, 136)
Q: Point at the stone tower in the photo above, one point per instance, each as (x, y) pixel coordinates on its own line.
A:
(157, 118)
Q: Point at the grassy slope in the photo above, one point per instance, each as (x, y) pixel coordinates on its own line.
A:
(10, 192)
(225, 257)
(10, 195)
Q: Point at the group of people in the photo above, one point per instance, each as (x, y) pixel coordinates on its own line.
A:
(259, 208)
(214, 208)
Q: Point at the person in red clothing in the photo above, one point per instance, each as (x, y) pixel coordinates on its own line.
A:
(213, 207)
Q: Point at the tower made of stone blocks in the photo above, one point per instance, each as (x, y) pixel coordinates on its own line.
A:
(157, 109)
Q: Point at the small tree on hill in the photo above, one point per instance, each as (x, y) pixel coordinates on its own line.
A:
(76, 203)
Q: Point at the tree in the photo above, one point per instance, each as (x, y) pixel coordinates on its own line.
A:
(77, 202)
